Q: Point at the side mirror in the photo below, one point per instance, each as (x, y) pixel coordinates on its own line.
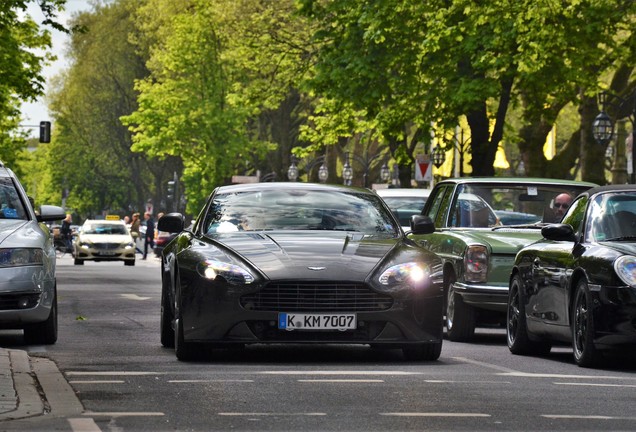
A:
(171, 222)
(559, 232)
(49, 213)
(422, 225)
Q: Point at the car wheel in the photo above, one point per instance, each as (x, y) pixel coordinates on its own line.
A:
(460, 317)
(129, 263)
(516, 328)
(585, 353)
(78, 262)
(423, 352)
(44, 333)
(184, 350)
(167, 315)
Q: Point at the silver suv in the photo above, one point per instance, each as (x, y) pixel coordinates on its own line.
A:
(28, 294)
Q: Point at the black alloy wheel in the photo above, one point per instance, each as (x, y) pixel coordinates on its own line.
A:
(516, 326)
(585, 353)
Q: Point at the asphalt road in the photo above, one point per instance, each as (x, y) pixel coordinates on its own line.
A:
(109, 352)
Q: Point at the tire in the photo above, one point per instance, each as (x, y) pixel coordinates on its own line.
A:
(78, 262)
(516, 327)
(185, 351)
(460, 317)
(167, 316)
(129, 263)
(44, 333)
(422, 352)
(585, 353)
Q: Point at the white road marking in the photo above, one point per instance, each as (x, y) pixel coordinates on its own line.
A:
(83, 425)
(585, 417)
(466, 382)
(338, 373)
(341, 380)
(124, 414)
(596, 384)
(134, 297)
(209, 381)
(263, 414)
(433, 414)
(112, 373)
(98, 382)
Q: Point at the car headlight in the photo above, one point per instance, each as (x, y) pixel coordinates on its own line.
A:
(476, 263)
(232, 273)
(129, 245)
(15, 257)
(625, 268)
(411, 273)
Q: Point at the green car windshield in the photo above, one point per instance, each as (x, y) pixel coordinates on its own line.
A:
(292, 209)
(489, 205)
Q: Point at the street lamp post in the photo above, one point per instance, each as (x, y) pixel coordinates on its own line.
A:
(365, 162)
(323, 172)
(603, 126)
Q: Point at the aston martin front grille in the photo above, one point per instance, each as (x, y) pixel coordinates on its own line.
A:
(316, 297)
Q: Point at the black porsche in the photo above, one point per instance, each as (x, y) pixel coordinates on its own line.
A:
(578, 284)
(271, 263)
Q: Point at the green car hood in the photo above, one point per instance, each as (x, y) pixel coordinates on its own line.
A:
(503, 241)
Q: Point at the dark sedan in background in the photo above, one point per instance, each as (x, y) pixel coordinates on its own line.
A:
(299, 263)
(578, 284)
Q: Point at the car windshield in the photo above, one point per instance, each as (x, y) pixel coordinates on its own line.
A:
(296, 209)
(99, 228)
(489, 205)
(612, 216)
(11, 205)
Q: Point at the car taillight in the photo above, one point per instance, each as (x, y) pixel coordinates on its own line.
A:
(476, 264)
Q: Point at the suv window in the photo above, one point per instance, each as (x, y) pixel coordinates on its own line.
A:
(11, 206)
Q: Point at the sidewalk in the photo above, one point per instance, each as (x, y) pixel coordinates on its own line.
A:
(33, 386)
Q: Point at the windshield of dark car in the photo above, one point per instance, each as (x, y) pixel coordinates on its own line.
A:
(488, 205)
(612, 216)
(291, 209)
(11, 206)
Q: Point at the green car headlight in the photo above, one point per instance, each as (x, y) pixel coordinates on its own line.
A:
(625, 268)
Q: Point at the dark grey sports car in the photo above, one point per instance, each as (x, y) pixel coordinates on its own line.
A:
(299, 263)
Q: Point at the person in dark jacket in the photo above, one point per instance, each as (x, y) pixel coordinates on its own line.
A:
(150, 234)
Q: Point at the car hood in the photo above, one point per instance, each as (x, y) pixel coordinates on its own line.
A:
(624, 248)
(334, 255)
(102, 238)
(503, 241)
(20, 233)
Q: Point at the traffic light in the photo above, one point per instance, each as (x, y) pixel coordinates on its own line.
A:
(45, 131)
(171, 184)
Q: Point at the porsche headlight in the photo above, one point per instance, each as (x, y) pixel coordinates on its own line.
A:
(625, 268)
(232, 273)
(16, 257)
(406, 273)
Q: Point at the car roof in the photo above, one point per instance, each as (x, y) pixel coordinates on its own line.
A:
(610, 188)
(403, 192)
(247, 187)
(517, 180)
(104, 221)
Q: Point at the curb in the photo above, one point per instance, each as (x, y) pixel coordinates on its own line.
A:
(24, 384)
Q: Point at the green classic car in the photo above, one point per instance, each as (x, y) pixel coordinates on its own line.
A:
(481, 224)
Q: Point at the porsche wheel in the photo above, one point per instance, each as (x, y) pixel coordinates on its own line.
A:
(185, 351)
(516, 328)
(585, 353)
(460, 317)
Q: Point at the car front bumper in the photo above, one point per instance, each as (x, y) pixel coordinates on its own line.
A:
(614, 316)
(491, 297)
(215, 315)
(119, 254)
(26, 296)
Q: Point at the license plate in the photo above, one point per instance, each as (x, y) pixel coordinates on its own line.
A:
(106, 252)
(297, 321)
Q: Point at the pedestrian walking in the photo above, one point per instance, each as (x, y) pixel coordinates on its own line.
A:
(150, 233)
(134, 230)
